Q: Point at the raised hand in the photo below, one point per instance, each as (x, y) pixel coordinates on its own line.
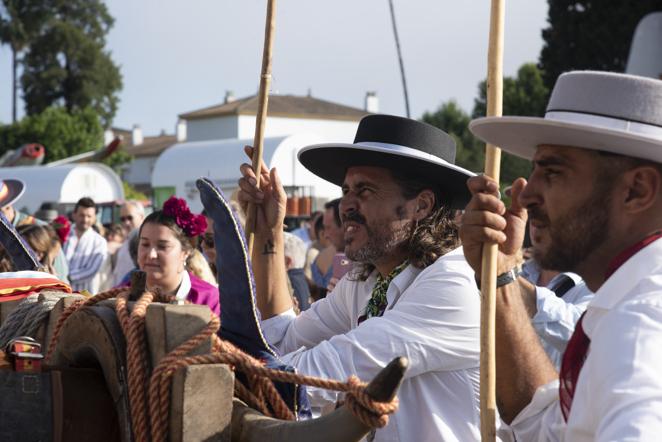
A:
(487, 220)
(270, 198)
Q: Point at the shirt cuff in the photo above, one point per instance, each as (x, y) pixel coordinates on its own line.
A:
(274, 328)
(528, 424)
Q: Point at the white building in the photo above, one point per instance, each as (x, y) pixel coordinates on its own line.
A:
(287, 115)
(215, 137)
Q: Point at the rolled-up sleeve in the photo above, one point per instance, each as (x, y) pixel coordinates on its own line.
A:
(541, 420)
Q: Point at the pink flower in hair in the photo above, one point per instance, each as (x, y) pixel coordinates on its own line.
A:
(192, 225)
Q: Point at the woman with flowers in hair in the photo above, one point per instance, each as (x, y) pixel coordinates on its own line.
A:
(166, 241)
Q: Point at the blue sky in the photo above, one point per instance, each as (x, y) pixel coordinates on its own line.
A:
(176, 56)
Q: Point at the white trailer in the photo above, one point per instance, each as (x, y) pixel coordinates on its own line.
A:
(65, 184)
(178, 167)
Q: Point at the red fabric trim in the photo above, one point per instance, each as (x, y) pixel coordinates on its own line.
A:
(628, 253)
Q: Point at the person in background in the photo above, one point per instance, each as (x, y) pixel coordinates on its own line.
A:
(47, 213)
(132, 214)
(295, 256)
(166, 242)
(198, 265)
(10, 191)
(85, 249)
(207, 245)
(322, 267)
(318, 244)
(115, 238)
(42, 239)
(306, 232)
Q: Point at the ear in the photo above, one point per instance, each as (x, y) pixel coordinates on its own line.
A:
(424, 204)
(643, 185)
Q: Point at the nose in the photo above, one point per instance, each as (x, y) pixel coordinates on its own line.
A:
(530, 195)
(152, 253)
(348, 203)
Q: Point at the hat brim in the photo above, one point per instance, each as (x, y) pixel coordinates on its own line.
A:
(15, 189)
(521, 136)
(331, 161)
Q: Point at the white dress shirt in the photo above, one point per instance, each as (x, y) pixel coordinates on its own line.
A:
(618, 395)
(432, 318)
(556, 317)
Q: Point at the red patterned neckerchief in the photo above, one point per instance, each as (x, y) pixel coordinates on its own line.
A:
(577, 349)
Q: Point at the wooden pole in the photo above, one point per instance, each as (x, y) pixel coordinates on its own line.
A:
(490, 251)
(261, 118)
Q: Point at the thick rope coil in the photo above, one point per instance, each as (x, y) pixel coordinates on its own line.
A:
(150, 400)
(29, 315)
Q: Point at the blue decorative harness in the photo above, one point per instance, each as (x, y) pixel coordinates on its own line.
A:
(240, 319)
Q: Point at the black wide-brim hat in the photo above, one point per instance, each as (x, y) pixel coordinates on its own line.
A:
(10, 191)
(417, 149)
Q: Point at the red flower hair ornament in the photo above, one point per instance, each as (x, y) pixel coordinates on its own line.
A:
(192, 225)
(62, 227)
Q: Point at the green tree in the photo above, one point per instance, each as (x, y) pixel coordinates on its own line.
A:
(524, 95)
(63, 134)
(130, 193)
(67, 64)
(450, 118)
(585, 34)
(20, 21)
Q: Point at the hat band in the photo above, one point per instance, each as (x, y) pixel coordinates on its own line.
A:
(402, 150)
(602, 121)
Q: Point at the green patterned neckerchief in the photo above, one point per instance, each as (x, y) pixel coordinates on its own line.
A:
(378, 303)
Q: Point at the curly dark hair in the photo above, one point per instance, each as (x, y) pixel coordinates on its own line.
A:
(431, 237)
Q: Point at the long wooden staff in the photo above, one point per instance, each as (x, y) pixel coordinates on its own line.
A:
(489, 259)
(261, 118)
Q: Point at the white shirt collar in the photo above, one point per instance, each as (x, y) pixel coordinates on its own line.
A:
(184, 287)
(640, 266)
(400, 284)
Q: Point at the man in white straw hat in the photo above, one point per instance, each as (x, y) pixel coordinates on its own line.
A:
(595, 198)
(412, 294)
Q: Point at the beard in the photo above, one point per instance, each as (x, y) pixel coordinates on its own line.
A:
(577, 234)
(383, 239)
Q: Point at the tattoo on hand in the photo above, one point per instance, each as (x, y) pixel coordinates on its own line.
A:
(269, 248)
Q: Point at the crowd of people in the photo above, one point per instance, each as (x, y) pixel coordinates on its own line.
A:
(392, 268)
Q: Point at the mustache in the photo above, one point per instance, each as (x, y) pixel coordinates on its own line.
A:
(536, 214)
(353, 216)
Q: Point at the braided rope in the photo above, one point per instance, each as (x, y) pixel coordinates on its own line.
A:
(150, 400)
(29, 315)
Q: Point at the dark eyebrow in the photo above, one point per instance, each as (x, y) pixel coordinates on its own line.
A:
(549, 161)
(360, 184)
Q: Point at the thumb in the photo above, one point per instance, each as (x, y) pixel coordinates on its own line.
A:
(277, 186)
(516, 207)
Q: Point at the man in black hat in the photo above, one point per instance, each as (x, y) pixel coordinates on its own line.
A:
(411, 293)
(595, 198)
